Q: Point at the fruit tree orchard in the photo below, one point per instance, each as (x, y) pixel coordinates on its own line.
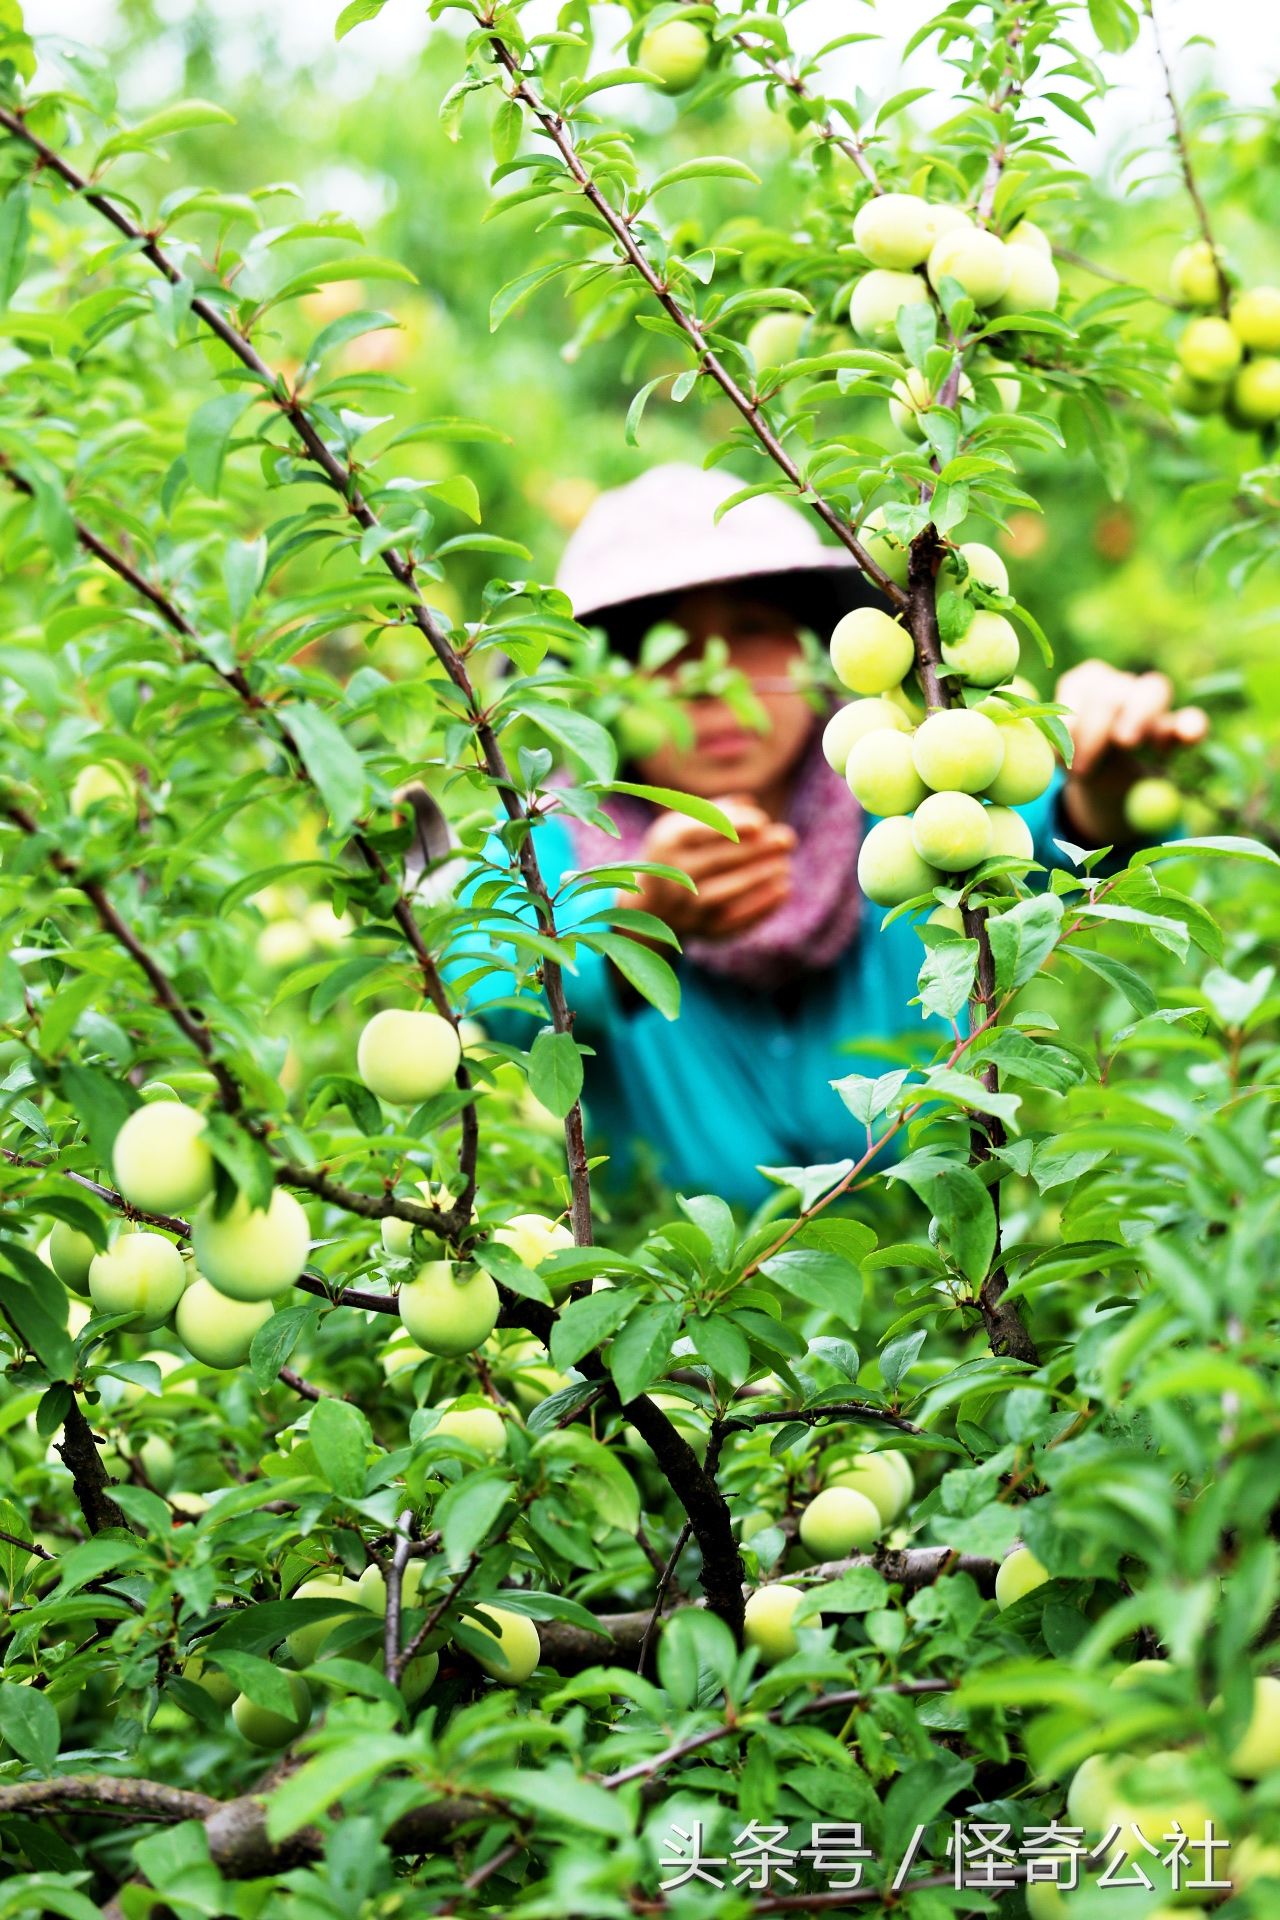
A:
(397, 1517)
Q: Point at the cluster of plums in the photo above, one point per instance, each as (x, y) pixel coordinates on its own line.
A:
(1226, 364)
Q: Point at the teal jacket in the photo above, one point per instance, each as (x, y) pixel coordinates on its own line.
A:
(739, 1080)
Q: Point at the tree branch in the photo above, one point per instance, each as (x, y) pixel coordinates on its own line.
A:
(89, 1477)
(1182, 145)
(395, 1587)
(853, 149)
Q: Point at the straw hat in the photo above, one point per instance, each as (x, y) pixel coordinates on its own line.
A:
(639, 545)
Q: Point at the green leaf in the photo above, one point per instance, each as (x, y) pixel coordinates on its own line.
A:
(347, 266)
(555, 1071)
(354, 14)
(651, 976)
(243, 566)
(276, 1339)
(559, 1794)
(820, 1278)
(319, 1784)
(1115, 22)
(642, 1350)
(673, 801)
(1023, 937)
(29, 1723)
(465, 1513)
(46, 1336)
(101, 1103)
(340, 1439)
(585, 1324)
(15, 233)
(713, 167)
(265, 1683)
(578, 734)
(209, 435)
(331, 760)
(517, 291)
(176, 119)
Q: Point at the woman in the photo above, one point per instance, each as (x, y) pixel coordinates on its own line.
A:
(788, 980)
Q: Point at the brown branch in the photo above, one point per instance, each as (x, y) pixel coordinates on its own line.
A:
(1086, 265)
(89, 1477)
(1182, 144)
(441, 1607)
(852, 148)
(395, 1587)
(27, 1546)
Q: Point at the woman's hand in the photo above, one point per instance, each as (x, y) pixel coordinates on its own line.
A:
(1115, 717)
(738, 882)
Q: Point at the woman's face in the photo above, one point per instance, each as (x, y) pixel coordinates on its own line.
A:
(727, 755)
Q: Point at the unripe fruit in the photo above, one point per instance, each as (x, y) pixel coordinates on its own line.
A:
(889, 868)
(945, 218)
(219, 1686)
(532, 1237)
(950, 917)
(1027, 234)
(850, 724)
(155, 1456)
(251, 1253)
(1092, 1801)
(263, 1728)
(958, 750)
(1193, 275)
(107, 784)
(986, 652)
(71, 1254)
(870, 652)
(1255, 319)
(1028, 764)
(141, 1274)
(912, 396)
(1007, 384)
(1020, 1573)
(407, 1057)
(1209, 350)
(984, 564)
(894, 230)
(978, 260)
(838, 1521)
(478, 1427)
(881, 773)
(446, 1314)
(676, 54)
(516, 1646)
(776, 337)
(1033, 283)
(768, 1622)
(400, 1355)
(951, 831)
(160, 1159)
(874, 1476)
(1194, 396)
(1138, 1671)
(1153, 805)
(397, 1235)
(304, 1643)
(889, 554)
(1257, 1752)
(877, 300)
(419, 1677)
(1252, 1860)
(1256, 393)
(371, 1587)
(215, 1329)
(1010, 835)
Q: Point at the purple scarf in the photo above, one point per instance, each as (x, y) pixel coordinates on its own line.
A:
(814, 926)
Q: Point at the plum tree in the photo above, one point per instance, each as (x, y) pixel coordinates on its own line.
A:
(769, 1623)
(215, 1329)
(987, 652)
(516, 1646)
(1255, 319)
(676, 52)
(776, 338)
(140, 1274)
(1193, 275)
(870, 652)
(951, 831)
(959, 750)
(104, 784)
(1153, 805)
(160, 1159)
(480, 1427)
(1027, 767)
(252, 1253)
(838, 1521)
(1209, 349)
(305, 1642)
(881, 773)
(71, 1254)
(1020, 1573)
(408, 1056)
(850, 723)
(877, 300)
(449, 1310)
(890, 870)
(895, 230)
(978, 260)
(1255, 393)
(263, 1727)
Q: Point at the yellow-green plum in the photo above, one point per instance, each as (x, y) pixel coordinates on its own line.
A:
(676, 54)
(371, 1588)
(1159, 1795)
(1254, 1859)
(219, 1686)
(1256, 392)
(848, 725)
(141, 1274)
(951, 831)
(984, 566)
(419, 1677)
(769, 1624)
(1255, 319)
(890, 870)
(480, 1427)
(1209, 350)
(1193, 275)
(407, 1057)
(189, 1506)
(216, 1329)
(979, 261)
(870, 653)
(1027, 234)
(776, 338)
(958, 750)
(155, 1457)
(1139, 1671)
(874, 1476)
(252, 1253)
(305, 1642)
(1006, 381)
(1197, 396)
(1010, 835)
(949, 917)
(913, 395)
(881, 773)
(839, 1520)
(895, 230)
(160, 1160)
(397, 1235)
(878, 299)
(889, 554)
(401, 1355)
(902, 1467)
(533, 1237)
(1153, 805)
(263, 1728)
(1033, 283)
(516, 1646)
(986, 652)
(105, 784)
(946, 218)
(1257, 1752)
(1019, 1574)
(166, 1364)
(1093, 1802)
(1027, 767)
(448, 1311)
(71, 1254)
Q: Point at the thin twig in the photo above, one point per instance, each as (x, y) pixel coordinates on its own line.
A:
(395, 1585)
(1182, 144)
